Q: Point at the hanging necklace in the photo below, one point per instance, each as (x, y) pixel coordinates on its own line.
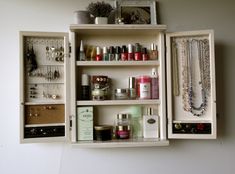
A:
(200, 47)
(175, 70)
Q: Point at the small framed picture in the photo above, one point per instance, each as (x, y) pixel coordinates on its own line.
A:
(136, 11)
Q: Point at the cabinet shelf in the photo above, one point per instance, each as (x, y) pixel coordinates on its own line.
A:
(140, 142)
(114, 29)
(117, 102)
(118, 63)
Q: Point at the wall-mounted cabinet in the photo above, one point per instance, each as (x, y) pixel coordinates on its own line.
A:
(52, 92)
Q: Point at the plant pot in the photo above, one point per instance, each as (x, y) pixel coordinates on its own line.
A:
(82, 17)
(101, 20)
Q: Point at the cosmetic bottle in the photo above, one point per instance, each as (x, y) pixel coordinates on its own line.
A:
(111, 54)
(150, 124)
(117, 53)
(130, 52)
(144, 87)
(124, 54)
(132, 88)
(145, 54)
(154, 84)
(105, 54)
(85, 87)
(137, 55)
(98, 56)
(82, 56)
(153, 55)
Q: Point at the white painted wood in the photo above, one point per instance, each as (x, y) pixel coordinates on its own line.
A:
(174, 104)
(119, 71)
(24, 81)
(121, 143)
(118, 63)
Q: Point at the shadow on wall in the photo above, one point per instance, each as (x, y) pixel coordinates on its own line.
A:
(220, 96)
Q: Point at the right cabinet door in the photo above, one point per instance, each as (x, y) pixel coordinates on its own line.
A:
(191, 90)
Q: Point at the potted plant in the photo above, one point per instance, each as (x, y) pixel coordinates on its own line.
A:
(100, 10)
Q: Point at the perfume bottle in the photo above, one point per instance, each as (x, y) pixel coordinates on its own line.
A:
(82, 56)
(150, 124)
(85, 87)
(98, 56)
(130, 52)
(132, 88)
(153, 55)
(154, 84)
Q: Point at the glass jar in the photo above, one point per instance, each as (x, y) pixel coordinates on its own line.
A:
(121, 94)
(123, 126)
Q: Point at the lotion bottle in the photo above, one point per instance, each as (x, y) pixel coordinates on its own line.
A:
(150, 124)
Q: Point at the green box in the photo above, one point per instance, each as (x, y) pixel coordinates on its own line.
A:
(85, 123)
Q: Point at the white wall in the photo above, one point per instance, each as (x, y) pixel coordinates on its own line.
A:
(182, 156)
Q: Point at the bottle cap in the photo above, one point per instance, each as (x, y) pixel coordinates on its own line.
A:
(117, 50)
(149, 111)
(130, 48)
(153, 47)
(144, 50)
(111, 50)
(122, 116)
(124, 49)
(85, 80)
(154, 71)
(98, 51)
(137, 47)
(81, 46)
(105, 50)
(131, 82)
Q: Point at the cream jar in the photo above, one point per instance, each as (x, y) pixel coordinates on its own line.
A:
(121, 94)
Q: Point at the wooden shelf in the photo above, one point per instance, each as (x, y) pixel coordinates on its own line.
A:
(115, 29)
(118, 63)
(141, 142)
(117, 102)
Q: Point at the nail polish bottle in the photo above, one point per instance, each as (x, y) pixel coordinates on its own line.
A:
(117, 53)
(130, 52)
(138, 55)
(153, 55)
(85, 87)
(98, 56)
(150, 124)
(145, 54)
(124, 54)
(111, 54)
(105, 54)
(154, 84)
(81, 53)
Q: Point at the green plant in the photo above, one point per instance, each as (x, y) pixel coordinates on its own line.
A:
(99, 9)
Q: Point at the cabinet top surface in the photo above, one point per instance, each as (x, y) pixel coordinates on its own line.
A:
(114, 27)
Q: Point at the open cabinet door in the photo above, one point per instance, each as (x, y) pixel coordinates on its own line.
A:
(191, 91)
(44, 96)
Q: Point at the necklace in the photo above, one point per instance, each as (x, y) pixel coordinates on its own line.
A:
(175, 70)
(192, 51)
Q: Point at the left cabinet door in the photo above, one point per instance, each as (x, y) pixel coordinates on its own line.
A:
(44, 79)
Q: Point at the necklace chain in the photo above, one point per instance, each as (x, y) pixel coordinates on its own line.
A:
(193, 52)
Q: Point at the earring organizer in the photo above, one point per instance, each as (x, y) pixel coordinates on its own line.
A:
(43, 94)
(191, 85)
